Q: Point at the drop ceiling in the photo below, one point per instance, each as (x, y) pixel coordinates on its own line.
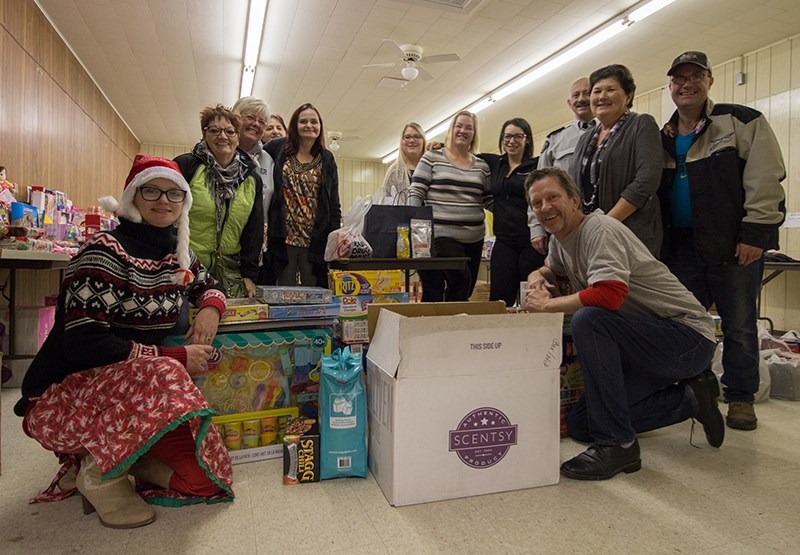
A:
(160, 61)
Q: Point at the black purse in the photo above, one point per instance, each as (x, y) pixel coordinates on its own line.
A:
(380, 226)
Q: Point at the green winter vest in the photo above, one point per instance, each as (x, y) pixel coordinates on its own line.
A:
(202, 224)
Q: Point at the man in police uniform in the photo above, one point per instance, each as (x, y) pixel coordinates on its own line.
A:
(560, 144)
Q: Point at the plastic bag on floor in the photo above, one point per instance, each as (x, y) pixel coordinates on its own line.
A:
(343, 416)
(784, 368)
(763, 374)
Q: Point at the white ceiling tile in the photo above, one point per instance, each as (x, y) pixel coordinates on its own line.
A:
(160, 61)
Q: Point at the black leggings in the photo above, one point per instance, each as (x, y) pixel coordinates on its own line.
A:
(510, 265)
(451, 285)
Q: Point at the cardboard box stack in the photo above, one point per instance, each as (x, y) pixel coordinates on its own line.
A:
(354, 292)
(295, 303)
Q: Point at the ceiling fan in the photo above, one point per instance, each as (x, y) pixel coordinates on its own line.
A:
(411, 57)
(335, 138)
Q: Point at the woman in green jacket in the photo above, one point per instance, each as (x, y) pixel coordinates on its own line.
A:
(226, 221)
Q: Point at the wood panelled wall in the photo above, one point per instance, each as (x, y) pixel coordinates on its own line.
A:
(166, 151)
(56, 127)
(772, 86)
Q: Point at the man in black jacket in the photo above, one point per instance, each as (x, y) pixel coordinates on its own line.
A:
(722, 203)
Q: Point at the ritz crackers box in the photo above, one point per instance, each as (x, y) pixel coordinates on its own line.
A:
(463, 400)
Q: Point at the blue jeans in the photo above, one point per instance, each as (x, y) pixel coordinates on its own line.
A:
(631, 364)
(734, 290)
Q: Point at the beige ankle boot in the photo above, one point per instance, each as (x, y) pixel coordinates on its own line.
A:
(152, 470)
(116, 502)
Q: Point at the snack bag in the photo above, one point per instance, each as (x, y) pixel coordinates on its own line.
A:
(343, 416)
(403, 241)
(421, 238)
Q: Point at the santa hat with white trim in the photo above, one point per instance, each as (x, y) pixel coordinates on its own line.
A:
(146, 168)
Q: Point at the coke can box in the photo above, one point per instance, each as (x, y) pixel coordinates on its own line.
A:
(351, 330)
(498, 433)
(366, 282)
(254, 436)
(264, 370)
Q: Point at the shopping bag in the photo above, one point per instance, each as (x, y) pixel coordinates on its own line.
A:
(348, 241)
(380, 226)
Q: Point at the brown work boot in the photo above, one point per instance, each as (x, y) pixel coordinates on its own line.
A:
(741, 416)
(116, 502)
(152, 470)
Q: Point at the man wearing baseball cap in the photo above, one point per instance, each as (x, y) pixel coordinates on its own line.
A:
(723, 203)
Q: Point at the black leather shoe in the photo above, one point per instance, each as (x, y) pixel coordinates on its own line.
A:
(601, 462)
(706, 391)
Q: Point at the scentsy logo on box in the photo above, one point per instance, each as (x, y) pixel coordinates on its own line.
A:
(483, 437)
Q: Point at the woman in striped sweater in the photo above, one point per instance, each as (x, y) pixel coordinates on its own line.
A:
(456, 184)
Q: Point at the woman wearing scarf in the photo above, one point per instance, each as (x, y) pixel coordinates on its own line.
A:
(617, 166)
(227, 216)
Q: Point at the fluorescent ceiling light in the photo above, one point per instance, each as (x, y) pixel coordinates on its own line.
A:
(575, 49)
(256, 16)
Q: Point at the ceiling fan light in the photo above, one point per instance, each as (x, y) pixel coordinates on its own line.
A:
(409, 72)
(334, 146)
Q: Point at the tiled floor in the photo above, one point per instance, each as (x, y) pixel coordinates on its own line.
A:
(743, 498)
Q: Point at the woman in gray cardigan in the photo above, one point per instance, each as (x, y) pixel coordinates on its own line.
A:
(617, 166)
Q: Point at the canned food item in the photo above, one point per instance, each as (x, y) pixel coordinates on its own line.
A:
(251, 430)
(233, 436)
(269, 430)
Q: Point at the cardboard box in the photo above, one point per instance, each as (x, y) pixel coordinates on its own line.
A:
(356, 305)
(572, 387)
(301, 457)
(293, 311)
(33, 325)
(366, 282)
(463, 400)
(240, 310)
(352, 330)
(280, 294)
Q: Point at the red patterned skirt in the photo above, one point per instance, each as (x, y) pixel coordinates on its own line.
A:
(117, 412)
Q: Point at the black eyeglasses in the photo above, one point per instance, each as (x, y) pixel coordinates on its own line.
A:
(508, 137)
(681, 80)
(154, 193)
(215, 131)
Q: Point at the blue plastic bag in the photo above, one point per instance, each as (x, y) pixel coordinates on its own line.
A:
(343, 416)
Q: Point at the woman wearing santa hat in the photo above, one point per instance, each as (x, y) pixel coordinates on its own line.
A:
(102, 393)
(227, 218)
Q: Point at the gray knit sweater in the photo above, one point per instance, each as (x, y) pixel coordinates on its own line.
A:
(458, 196)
